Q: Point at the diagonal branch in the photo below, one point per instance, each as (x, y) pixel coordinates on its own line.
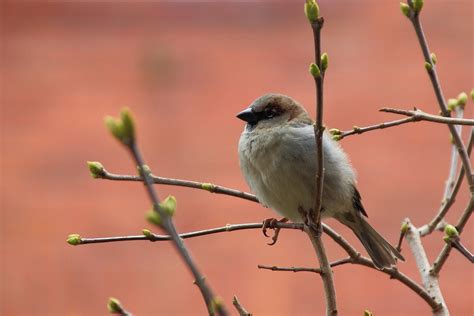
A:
(418, 115)
(449, 196)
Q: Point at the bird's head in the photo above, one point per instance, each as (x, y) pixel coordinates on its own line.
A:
(272, 110)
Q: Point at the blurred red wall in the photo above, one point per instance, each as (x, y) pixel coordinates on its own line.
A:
(186, 69)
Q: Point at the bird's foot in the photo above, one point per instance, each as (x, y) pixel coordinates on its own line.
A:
(314, 225)
(270, 223)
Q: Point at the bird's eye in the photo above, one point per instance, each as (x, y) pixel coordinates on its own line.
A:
(269, 112)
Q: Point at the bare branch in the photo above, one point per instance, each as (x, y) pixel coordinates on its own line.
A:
(449, 195)
(456, 244)
(418, 115)
(444, 254)
(242, 311)
(430, 282)
(300, 269)
(433, 75)
(361, 130)
(213, 188)
(156, 237)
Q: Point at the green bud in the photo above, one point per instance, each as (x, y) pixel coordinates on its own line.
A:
(368, 313)
(404, 228)
(74, 239)
(452, 104)
(114, 306)
(153, 217)
(472, 94)
(462, 99)
(417, 5)
(335, 131)
(216, 304)
(405, 9)
(447, 239)
(96, 169)
(314, 70)
(145, 168)
(311, 10)
(337, 137)
(147, 233)
(434, 59)
(128, 123)
(428, 66)
(324, 61)
(168, 205)
(451, 231)
(122, 128)
(208, 187)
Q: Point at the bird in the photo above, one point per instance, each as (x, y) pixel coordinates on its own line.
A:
(277, 154)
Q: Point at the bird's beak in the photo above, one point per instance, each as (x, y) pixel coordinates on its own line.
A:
(249, 116)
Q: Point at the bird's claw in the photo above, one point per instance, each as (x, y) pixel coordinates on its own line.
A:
(270, 223)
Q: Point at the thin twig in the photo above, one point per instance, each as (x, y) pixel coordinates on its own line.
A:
(213, 188)
(351, 251)
(300, 269)
(240, 308)
(456, 244)
(361, 130)
(418, 115)
(157, 237)
(169, 227)
(363, 261)
(444, 254)
(432, 73)
(449, 195)
(314, 215)
(430, 282)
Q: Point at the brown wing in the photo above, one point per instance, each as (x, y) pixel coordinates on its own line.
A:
(357, 202)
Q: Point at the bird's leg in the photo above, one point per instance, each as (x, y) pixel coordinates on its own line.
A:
(270, 223)
(308, 220)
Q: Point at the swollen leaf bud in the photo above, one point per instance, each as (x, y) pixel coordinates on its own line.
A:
(145, 168)
(208, 187)
(405, 9)
(452, 104)
(335, 131)
(114, 306)
(404, 228)
(153, 217)
(428, 66)
(434, 59)
(314, 70)
(451, 231)
(462, 99)
(368, 313)
(417, 5)
(128, 124)
(472, 94)
(147, 233)
(324, 61)
(337, 137)
(74, 239)
(311, 10)
(168, 205)
(96, 169)
(122, 128)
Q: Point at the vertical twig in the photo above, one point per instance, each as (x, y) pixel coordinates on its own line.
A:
(313, 216)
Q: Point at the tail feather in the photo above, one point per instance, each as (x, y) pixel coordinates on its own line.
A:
(382, 253)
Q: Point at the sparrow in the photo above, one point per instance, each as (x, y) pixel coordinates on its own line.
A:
(277, 153)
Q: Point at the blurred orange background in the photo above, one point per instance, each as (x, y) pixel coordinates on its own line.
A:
(185, 69)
